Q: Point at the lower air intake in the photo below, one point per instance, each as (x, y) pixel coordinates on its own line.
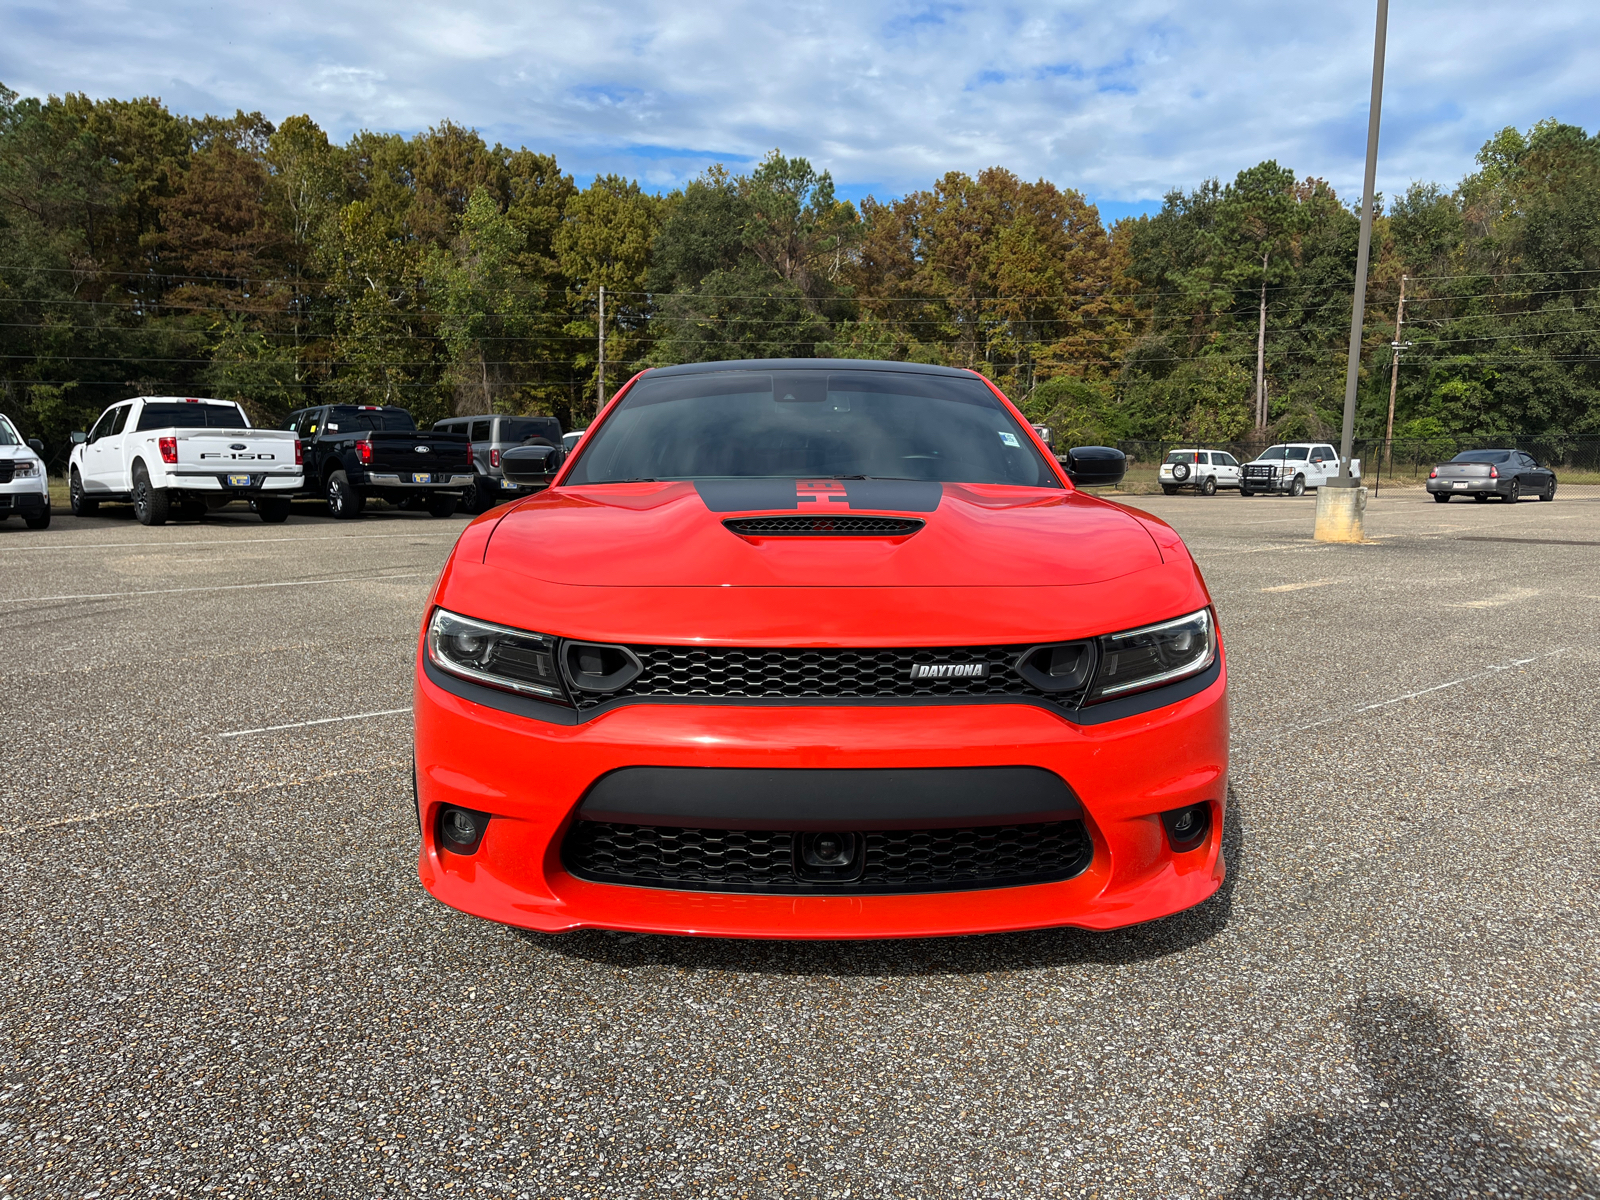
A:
(824, 526)
(763, 860)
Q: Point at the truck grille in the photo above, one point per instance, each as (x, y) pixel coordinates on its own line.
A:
(788, 673)
(7, 468)
(762, 860)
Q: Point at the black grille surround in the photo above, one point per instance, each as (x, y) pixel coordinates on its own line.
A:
(787, 673)
(823, 526)
(762, 860)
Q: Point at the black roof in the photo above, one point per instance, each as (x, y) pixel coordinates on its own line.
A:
(810, 364)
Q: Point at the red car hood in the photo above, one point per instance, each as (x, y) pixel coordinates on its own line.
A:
(672, 535)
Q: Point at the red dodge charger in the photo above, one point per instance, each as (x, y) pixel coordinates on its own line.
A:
(818, 649)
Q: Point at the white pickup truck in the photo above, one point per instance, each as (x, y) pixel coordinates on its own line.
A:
(1293, 467)
(184, 453)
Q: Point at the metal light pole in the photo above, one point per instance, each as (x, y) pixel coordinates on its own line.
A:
(1339, 501)
(600, 358)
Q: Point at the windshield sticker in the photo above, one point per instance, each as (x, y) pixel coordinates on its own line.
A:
(1009, 439)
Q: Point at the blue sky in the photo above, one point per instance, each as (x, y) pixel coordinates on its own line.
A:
(1121, 101)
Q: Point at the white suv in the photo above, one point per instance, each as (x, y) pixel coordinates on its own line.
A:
(1293, 467)
(1203, 470)
(23, 486)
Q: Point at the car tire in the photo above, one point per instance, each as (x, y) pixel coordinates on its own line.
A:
(1209, 486)
(1441, 497)
(1514, 492)
(41, 520)
(1298, 487)
(82, 506)
(1550, 492)
(273, 510)
(1171, 491)
(443, 505)
(1481, 497)
(151, 505)
(483, 496)
(1180, 472)
(344, 502)
(1244, 491)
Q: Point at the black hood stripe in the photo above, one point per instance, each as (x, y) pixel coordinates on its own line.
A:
(819, 495)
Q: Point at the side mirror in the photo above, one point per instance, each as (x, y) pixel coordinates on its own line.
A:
(529, 466)
(79, 437)
(36, 446)
(1046, 435)
(1095, 466)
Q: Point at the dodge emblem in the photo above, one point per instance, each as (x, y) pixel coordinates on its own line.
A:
(420, 449)
(925, 672)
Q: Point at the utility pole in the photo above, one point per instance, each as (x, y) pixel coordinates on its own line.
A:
(1261, 353)
(1340, 501)
(600, 374)
(1394, 376)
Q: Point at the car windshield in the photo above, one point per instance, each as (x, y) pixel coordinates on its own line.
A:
(1483, 456)
(1296, 453)
(521, 428)
(1275, 453)
(812, 423)
(1178, 456)
(8, 435)
(193, 416)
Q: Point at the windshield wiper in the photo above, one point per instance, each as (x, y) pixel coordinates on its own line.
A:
(886, 478)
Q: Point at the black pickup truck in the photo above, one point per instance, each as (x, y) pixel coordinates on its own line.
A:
(355, 452)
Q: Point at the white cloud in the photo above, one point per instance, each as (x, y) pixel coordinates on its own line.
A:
(1122, 101)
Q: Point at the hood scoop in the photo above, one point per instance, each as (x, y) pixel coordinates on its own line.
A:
(823, 526)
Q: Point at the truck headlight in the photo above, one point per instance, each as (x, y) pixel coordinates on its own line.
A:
(25, 468)
(1153, 655)
(513, 660)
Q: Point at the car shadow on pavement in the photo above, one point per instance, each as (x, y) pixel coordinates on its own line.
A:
(1416, 1134)
(924, 956)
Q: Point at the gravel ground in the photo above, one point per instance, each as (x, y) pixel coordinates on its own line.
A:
(223, 979)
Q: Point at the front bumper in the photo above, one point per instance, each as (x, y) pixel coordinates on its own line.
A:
(14, 499)
(531, 776)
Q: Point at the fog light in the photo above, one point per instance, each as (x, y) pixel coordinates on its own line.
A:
(1187, 828)
(461, 829)
(829, 857)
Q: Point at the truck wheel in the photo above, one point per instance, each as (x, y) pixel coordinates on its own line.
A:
(1244, 491)
(483, 497)
(1441, 497)
(443, 505)
(1171, 491)
(1209, 487)
(39, 520)
(344, 501)
(273, 510)
(1298, 487)
(82, 506)
(151, 505)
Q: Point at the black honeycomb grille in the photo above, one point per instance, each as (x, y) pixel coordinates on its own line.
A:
(824, 526)
(788, 673)
(762, 860)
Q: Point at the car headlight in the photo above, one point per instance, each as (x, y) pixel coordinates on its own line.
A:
(1153, 655)
(511, 659)
(25, 468)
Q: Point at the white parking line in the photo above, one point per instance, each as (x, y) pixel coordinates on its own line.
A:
(223, 587)
(125, 810)
(242, 539)
(1296, 587)
(1486, 673)
(387, 712)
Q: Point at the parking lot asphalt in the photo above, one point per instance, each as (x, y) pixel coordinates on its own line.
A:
(222, 978)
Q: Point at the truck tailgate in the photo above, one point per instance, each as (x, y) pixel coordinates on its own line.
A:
(397, 452)
(225, 451)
